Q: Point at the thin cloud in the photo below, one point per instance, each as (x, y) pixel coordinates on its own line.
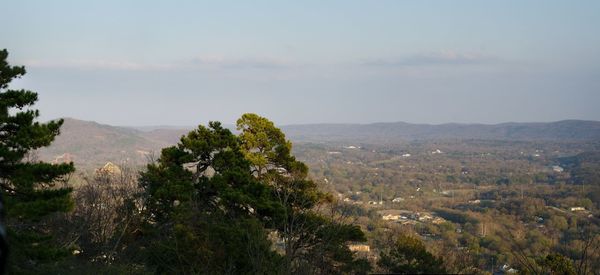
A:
(431, 59)
(206, 62)
(96, 65)
(240, 63)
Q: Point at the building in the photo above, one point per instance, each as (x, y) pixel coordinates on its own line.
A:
(390, 217)
(398, 199)
(64, 158)
(425, 217)
(359, 248)
(108, 169)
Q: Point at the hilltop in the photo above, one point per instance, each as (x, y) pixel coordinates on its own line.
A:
(90, 145)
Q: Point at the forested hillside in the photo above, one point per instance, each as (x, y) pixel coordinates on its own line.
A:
(394, 132)
(91, 144)
(471, 201)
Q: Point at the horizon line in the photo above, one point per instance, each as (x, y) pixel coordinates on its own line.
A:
(182, 127)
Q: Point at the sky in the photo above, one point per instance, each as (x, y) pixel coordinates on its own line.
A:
(188, 62)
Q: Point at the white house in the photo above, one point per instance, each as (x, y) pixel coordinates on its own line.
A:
(390, 217)
(398, 199)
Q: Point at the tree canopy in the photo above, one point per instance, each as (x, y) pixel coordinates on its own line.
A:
(409, 256)
(308, 236)
(221, 203)
(206, 208)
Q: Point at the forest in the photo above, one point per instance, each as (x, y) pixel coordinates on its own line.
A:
(249, 201)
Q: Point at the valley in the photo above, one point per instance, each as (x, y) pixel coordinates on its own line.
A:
(473, 201)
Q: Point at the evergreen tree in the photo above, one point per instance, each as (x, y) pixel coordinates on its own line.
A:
(206, 211)
(211, 206)
(313, 243)
(28, 187)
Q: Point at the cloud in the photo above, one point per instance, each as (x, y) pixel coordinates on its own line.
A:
(430, 59)
(204, 62)
(95, 65)
(240, 63)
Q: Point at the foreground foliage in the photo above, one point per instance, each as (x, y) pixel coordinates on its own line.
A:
(28, 187)
(216, 202)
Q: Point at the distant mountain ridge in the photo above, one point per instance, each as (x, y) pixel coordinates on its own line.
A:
(90, 144)
(574, 130)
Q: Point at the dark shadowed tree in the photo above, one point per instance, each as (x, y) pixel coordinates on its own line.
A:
(206, 210)
(28, 188)
(558, 264)
(409, 256)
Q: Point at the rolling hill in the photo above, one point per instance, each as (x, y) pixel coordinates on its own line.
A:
(90, 144)
(567, 130)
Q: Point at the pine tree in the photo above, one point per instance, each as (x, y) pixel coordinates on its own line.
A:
(28, 188)
(313, 242)
(206, 212)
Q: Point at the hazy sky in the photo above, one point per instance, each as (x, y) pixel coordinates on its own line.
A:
(187, 62)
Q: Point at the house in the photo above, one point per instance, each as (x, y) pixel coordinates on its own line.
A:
(64, 158)
(109, 169)
(359, 247)
(557, 169)
(391, 217)
(406, 155)
(438, 220)
(425, 217)
(508, 270)
(398, 199)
